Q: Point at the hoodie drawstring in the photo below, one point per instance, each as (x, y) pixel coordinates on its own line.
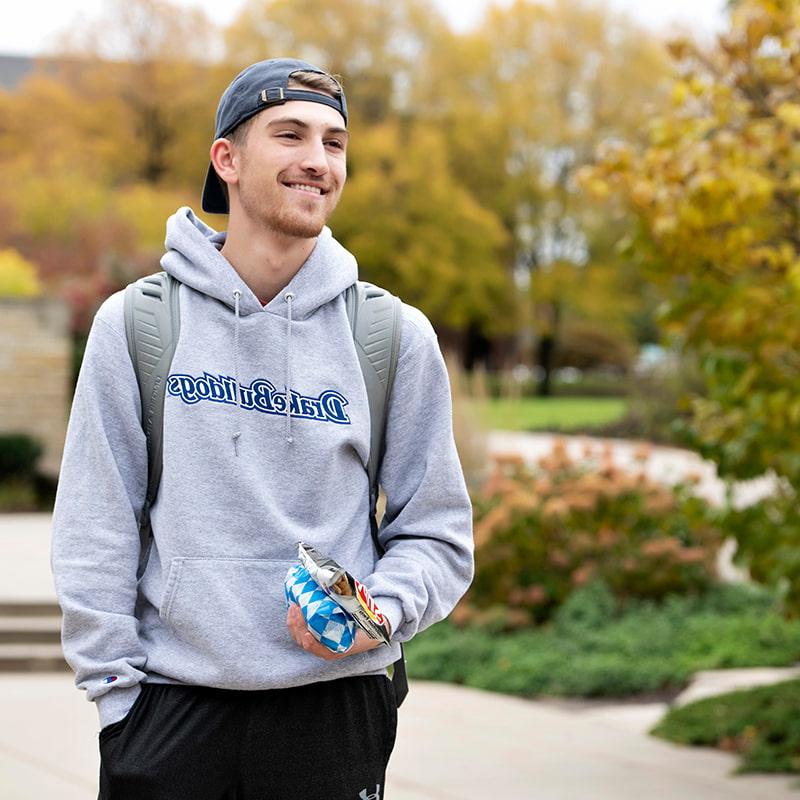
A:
(238, 432)
(288, 297)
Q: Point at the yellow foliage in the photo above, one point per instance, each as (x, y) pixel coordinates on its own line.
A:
(146, 208)
(18, 276)
(790, 114)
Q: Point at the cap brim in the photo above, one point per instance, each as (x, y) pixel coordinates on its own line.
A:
(214, 200)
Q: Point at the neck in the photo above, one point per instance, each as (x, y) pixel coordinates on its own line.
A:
(265, 260)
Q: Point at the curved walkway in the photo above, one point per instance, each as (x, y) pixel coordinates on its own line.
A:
(666, 464)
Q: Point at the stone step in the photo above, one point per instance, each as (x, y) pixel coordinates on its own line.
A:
(32, 658)
(9, 608)
(24, 629)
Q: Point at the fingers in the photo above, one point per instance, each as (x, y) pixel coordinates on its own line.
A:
(300, 633)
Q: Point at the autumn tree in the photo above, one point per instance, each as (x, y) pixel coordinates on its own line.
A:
(416, 229)
(108, 144)
(524, 101)
(376, 46)
(717, 193)
(146, 62)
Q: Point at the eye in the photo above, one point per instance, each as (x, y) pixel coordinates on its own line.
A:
(336, 144)
(288, 135)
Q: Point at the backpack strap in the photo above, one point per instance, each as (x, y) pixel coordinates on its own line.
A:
(376, 319)
(152, 325)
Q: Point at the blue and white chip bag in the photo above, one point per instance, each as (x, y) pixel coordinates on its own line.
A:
(328, 622)
(333, 603)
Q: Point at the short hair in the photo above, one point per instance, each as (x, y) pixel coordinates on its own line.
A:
(316, 81)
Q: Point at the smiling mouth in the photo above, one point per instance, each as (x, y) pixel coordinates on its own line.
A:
(307, 188)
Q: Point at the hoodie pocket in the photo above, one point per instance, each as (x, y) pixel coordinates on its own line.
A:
(231, 610)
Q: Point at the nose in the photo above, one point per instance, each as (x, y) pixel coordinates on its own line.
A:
(315, 159)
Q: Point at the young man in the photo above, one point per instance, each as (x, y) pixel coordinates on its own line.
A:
(205, 687)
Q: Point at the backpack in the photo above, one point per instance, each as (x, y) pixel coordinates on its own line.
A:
(152, 326)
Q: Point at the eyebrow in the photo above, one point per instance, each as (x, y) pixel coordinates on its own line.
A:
(301, 124)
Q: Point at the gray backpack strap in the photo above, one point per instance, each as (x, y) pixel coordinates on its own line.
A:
(152, 325)
(376, 319)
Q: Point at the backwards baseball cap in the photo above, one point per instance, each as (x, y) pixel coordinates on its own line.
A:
(260, 86)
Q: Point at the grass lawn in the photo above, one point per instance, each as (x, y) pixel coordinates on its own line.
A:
(546, 413)
(763, 725)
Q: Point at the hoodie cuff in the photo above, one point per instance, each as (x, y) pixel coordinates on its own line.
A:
(392, 609)
(115, 704)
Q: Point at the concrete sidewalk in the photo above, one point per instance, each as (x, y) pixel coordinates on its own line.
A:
(453, 743)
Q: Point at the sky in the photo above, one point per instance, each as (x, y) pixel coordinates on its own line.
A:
(29, 25)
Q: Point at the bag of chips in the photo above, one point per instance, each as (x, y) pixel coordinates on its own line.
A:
(334, 604)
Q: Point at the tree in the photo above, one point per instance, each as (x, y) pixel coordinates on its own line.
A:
(524, 101)
(143, 75)
(374, 45)
(107, 145)
(418, 231)
(717, 194)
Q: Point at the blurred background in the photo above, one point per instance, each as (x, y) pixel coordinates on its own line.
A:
(596, 205)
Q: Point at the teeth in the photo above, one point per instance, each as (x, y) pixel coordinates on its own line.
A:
(305, 187)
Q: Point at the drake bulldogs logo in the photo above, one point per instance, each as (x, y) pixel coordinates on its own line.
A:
(261, 395)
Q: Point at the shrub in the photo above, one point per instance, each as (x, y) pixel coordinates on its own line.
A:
(586, 345)
(761, 724)
(540, 533)
(18, 276)
(18, 496)
(621, 649)
(768, 542)
(19, 454)
(658, 405)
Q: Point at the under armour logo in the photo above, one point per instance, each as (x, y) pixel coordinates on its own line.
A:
(377, 796)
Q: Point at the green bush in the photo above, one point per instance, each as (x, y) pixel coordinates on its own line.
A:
(19, 454)
(18, 496)
(768, 542)
(761, 724)
(658, 406)
(541, 533)
(597, 645)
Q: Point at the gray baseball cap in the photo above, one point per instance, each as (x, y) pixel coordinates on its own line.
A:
(260, 86)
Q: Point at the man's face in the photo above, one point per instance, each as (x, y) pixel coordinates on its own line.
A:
(292, 168)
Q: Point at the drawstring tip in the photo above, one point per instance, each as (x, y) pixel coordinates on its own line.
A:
(235, 438)
(289, 439)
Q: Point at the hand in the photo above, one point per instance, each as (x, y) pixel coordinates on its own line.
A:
(301, 634)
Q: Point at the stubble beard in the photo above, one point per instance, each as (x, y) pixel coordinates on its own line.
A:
(283, 218)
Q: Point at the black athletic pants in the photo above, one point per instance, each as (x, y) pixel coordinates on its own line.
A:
(324, 741)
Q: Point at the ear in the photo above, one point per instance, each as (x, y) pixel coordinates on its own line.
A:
(225, 160)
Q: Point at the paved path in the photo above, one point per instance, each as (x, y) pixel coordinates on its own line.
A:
(453, 743)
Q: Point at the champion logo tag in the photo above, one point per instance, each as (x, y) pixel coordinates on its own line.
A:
(109, 679)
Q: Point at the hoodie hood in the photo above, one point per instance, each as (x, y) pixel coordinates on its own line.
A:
(193, 257)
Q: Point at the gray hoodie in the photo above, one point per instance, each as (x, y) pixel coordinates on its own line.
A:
(244, 480)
